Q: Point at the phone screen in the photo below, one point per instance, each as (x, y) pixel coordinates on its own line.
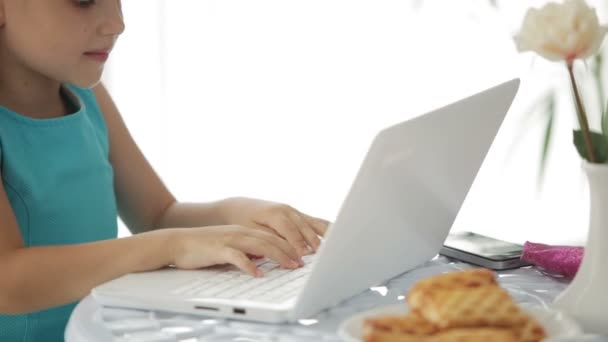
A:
(483, 246)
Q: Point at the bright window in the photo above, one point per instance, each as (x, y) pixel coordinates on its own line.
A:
(279, 100)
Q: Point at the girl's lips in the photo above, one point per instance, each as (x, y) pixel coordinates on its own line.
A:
(100, 56)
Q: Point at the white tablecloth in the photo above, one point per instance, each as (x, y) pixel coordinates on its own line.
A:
(91, 322)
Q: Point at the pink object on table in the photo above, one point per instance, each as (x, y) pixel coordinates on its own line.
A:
(558, 259)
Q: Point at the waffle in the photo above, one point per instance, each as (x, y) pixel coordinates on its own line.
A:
(381, 336)
(459, 306)
(454, 280)
(531, 331)
(475, 335)
(411, 324)
(480, 306)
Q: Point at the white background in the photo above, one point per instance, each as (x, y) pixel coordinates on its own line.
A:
(279, 99)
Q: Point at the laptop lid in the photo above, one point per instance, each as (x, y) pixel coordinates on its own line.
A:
(405, 197)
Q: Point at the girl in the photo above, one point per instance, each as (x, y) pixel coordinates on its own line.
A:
(69, 165)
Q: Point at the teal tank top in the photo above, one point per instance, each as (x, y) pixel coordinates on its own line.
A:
(59, 182)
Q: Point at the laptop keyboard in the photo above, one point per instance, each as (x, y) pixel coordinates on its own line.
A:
(277, 285)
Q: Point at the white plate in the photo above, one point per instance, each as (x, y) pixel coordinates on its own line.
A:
(555, 323)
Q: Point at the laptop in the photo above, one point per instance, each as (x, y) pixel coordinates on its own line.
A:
(396, 216)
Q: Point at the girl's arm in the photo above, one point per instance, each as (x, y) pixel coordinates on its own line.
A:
(42, 277)
(145, 203)
(37, 278)
(142, 198)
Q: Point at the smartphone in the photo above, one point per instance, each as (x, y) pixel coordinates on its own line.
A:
(483, 251)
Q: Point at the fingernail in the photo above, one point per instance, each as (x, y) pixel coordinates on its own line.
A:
(301, 262)
(293, 264)
(259, 273)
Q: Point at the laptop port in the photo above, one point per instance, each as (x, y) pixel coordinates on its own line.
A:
(238, 311)
(208, 308)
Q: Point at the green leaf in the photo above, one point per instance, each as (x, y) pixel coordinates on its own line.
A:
(547, 138)
(599, 142)
(540, 107)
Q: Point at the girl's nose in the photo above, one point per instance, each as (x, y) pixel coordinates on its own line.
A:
(113, 23)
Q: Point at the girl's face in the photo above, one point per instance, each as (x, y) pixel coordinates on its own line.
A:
(65, 40)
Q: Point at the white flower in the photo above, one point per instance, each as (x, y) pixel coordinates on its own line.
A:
(561, 31)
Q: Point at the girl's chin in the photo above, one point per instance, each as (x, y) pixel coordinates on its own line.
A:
(86, 82)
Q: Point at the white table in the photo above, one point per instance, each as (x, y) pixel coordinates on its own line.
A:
(92, 322)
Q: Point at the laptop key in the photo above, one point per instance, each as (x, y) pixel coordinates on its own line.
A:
(231, 283)
(269, 266)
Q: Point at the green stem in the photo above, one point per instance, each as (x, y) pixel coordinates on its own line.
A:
(582, 117)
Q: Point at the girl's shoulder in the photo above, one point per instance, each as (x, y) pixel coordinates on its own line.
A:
(88, 104)
(82, 100)
(18, 131)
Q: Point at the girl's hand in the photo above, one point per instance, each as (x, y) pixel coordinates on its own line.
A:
(300, 230)
(192, 248)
